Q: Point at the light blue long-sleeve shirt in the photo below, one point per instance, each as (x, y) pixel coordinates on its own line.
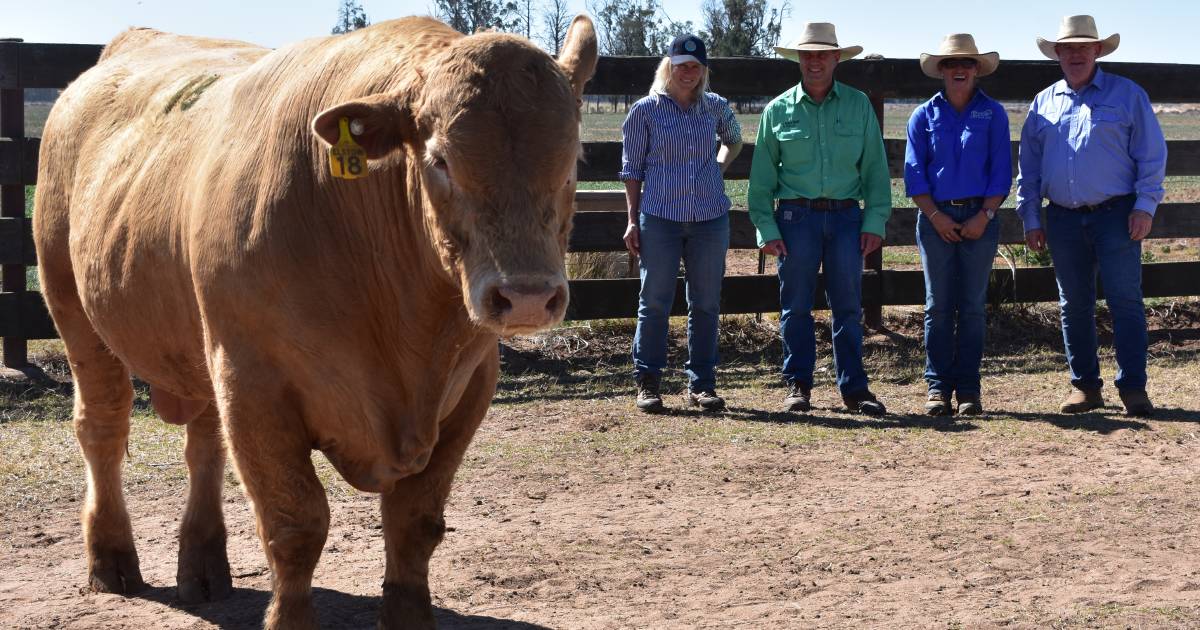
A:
(1080, 148)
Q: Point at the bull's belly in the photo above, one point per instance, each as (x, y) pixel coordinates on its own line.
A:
(149, 320)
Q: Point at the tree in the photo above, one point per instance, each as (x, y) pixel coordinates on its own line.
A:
(628, 27)
(351, 16)
(470, 16)
(742, 27)
(523, 22)
(556, 19)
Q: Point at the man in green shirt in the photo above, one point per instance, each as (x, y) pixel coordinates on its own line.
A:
(819, 152)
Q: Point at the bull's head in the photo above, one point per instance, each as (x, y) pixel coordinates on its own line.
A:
(492, 127)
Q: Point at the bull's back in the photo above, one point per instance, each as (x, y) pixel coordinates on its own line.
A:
(117, 153)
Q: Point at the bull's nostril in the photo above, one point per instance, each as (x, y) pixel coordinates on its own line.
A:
(555, 301)
(497, 304)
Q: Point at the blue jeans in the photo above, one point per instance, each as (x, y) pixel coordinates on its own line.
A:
(702, 246)
(956, 284)
(816, 239)
(1080, 244)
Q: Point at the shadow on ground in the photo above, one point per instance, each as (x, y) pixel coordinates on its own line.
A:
(244, 610)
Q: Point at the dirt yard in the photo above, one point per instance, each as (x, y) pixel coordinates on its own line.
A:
(572, 511)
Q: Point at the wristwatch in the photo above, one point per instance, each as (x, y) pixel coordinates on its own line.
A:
(991, 214)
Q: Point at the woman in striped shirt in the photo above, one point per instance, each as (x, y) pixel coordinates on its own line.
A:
(678, 209)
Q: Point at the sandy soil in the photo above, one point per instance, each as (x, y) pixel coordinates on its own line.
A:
(578, 514)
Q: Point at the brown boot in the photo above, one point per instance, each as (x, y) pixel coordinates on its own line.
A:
(1137, 403)
(938, 404)
(969, 404)
(1082, 400)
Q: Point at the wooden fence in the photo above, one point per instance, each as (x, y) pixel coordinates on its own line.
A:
(600, 221)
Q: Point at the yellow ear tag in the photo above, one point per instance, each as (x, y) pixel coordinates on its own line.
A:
(347, 160)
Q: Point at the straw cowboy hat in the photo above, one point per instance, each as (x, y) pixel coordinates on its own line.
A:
(959, 45)
(816, 36)
(1079, 29)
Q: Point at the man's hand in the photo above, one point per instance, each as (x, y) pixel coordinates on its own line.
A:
(633, 240)
(974, 226)
(869, 242)
(946, 227)
(1035, 239)
(1139, 224)
(775, 248)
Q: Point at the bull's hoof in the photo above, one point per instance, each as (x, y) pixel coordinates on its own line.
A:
(406, 607)
(203, 573)
(115, 572)
(291, 614)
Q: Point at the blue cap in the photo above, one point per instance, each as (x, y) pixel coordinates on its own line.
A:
(688, 47)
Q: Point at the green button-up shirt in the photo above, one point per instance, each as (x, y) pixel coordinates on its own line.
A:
(832, 150)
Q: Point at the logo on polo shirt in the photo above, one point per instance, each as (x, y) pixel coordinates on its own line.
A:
(985, 114)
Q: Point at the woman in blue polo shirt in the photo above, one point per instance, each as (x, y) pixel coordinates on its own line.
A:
(678, 209)
(958, 170)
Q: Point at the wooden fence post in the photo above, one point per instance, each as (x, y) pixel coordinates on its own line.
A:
(873, 315)
(12, 205)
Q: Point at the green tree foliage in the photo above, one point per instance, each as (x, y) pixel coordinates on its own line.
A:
(629, 27)
(742, 27)
(351, 16)
(470, 16)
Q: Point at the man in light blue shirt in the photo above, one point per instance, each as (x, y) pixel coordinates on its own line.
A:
(1092, 147)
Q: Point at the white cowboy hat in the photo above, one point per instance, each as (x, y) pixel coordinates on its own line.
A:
(816, 36)
(959, 45)
(1079, 29)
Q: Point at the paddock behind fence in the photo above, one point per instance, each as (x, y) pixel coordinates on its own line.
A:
(600, 220)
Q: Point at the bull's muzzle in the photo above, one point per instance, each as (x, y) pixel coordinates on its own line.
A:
(525, 305)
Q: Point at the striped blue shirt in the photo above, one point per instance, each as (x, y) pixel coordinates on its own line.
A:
(1080, 148)
(952, 155)
(673, 153)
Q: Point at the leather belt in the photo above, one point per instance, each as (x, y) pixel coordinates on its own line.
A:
(822, 204)
(965, 201)
(1088, 209)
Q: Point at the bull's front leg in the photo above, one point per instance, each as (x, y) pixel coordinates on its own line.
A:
(413, 524)
(274, 461)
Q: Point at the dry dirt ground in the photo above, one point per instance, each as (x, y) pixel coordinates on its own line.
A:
(572, 511)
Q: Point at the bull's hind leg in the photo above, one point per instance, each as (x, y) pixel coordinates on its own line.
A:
(273, 456)
(413, 523)
(203, 572)
(103, 401)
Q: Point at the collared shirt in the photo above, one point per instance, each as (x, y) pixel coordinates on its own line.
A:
(674, 153)
(952, 155)
(832, 149)
(1080, 148)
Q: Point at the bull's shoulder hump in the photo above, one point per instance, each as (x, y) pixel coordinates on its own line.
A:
(147, 41)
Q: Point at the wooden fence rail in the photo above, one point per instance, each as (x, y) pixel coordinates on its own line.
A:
(600, 220)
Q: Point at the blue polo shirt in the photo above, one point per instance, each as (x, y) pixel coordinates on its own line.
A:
(952, 155)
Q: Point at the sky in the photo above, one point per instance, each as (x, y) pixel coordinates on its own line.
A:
(1151, 30)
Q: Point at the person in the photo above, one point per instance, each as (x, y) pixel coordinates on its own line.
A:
(819, 151)
(677, 206)
(957, 169)
(1092, 147)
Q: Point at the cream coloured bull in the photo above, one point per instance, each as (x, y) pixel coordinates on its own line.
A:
(189, 231)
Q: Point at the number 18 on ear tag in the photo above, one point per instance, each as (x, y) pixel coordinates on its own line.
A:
(347, 160)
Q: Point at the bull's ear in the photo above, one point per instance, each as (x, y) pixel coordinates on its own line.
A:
(578, 55)
(379, 124)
